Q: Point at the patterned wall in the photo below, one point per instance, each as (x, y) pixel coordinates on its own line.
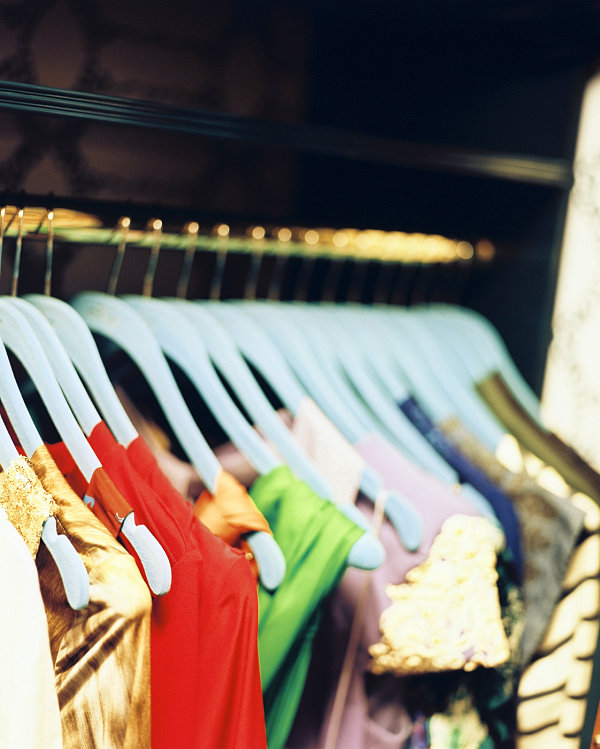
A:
(229, 56)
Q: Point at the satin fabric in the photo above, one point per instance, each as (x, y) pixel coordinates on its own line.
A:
(205, 670)
(546, 445)
(99, 494)
(101, 654)
(315, 539)
(229, 512)
(206, 691)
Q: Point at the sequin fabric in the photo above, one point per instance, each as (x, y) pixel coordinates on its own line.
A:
(447, 615)
(26, 503)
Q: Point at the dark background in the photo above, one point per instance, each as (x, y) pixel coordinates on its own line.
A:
(500, 77)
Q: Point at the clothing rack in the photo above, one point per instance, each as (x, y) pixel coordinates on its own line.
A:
(544, 180)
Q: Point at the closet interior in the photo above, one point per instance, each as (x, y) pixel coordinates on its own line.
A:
(276, 298)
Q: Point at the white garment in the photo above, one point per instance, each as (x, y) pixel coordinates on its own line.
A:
(29, 712)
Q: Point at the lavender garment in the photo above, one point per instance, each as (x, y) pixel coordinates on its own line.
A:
(374, 715)
(436, 499)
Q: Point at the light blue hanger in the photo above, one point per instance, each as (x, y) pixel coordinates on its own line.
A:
(408, 364)
(181, 342)
(118, 321)
(351, 358)
(72, 570)
(440, 364)
(227, 324)
(400, 511)
(372, 337)
(179, 339)
(482, 337)
(312, 364)
(78, 342)
(150, 553)
(227, 358)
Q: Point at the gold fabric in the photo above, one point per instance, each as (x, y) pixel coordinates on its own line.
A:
(101, 655)
(549, 525)
(26, 503)
(447, 615)
(546, 445)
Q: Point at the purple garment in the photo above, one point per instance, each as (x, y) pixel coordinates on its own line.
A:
(374, 715)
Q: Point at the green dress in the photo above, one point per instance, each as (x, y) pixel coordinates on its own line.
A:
(315, 538)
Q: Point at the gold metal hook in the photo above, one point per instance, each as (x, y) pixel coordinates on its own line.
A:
(188, 261)
(153, 259)
(124, 224)
(49, 253)
(257, 233)
(301, 292)
(222, 231)
(2, 230)
(18, 251)
(284, 236)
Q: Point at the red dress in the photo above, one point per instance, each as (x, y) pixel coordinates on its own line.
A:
(205, 679)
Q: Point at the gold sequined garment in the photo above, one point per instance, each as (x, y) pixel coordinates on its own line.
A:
(26, 503)
(447, 615)
(101, 655)
(549, 528)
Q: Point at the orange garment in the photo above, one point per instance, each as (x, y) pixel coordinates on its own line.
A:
(229, 512)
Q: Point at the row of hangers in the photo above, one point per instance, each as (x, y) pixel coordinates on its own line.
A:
(355, 362)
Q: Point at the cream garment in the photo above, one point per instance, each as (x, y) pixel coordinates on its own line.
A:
(29, 712)
(331, 453)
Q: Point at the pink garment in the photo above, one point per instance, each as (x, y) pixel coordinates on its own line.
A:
(435, 500)
(374, 716)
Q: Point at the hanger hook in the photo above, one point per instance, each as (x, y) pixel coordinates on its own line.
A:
(124, 224)
(222, 231)
(18, 251)
(284, 237)
(49, 253)
(188, 261)
(257, 233)
(2, 230)
(153, 259)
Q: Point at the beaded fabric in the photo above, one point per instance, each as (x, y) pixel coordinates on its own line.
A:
(447, 615)
(25, 501)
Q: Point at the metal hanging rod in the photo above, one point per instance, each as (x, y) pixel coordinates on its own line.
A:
(330, 142)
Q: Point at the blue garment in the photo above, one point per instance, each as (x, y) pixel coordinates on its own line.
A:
(470, 474)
